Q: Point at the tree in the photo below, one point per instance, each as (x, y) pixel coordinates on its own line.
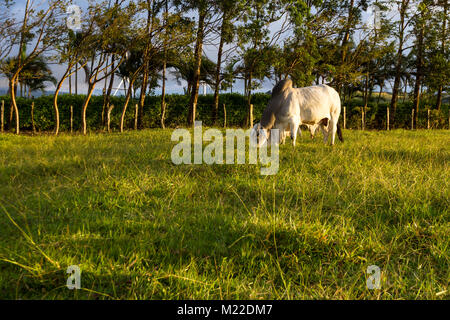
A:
(36, 74)
(151, 9)
(419, 22)
(165, 31)
(73, 50)
(130, 70)
(255, 43)
(437, 60)
(185, 69)
(41, 26)
(204, 10)
(112, 35)
(446, 81)
(109, 80)
(8, 33)
(229, 9)
(402, 25)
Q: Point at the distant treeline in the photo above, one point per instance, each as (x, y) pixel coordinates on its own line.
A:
(176, 112)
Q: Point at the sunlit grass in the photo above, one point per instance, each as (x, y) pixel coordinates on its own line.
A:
(140, 227)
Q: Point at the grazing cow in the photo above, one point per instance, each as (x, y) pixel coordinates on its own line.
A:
(290, 107)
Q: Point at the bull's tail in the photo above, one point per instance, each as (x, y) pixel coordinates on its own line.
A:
(339, 132)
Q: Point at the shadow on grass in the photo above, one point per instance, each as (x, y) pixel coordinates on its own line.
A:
(176, 255)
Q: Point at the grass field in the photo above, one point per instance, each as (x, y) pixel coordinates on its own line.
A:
(140, 227)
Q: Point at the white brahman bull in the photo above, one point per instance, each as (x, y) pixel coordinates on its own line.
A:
(291, 107)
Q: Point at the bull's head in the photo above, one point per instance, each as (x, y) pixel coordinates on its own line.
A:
(259, 134)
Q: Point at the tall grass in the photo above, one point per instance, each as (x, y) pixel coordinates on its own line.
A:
(140, 227)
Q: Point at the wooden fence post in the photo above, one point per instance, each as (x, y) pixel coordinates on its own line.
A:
(251, 116)
(71, 119)
(412, 119)
(2, 116)
(32, 118)
(136, 117)
(428, 119)
(345, 118)
(224, 116)
(387, 118)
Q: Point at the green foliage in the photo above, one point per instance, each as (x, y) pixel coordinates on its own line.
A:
(236, 106)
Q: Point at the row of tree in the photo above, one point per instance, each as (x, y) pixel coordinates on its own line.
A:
(354, 45)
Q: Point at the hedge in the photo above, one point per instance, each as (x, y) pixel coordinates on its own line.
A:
(176, 112)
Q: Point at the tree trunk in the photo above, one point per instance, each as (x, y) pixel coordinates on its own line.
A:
(70, 83)
(136, 115)
(419, 71)
(11, 108)
(85, 105)
(399, 62)
(149, 27)
(198, 64)
(444, 38)
(14, 105)
(16, 76)
(2, 117)
(249, 97)
(142, 95)
(76, 77)
(219, 64)
(108, 117)
(127, 100)
(346, 37)
(107, 93)
(55, 104)
(224, 115)
(163, 93)
(344, 44)
(379, 95)
(439, 98)
(366, 92)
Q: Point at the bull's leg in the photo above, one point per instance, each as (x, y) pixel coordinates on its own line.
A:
(332, 127)
(283, 133)
(313, 130)
(325, 133)
(280, 133)
(325, 125)
(295, 126)
(282, 136)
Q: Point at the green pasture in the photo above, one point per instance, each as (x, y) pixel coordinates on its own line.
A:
(140, 227)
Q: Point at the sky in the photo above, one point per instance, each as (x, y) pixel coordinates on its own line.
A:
(172, 86)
